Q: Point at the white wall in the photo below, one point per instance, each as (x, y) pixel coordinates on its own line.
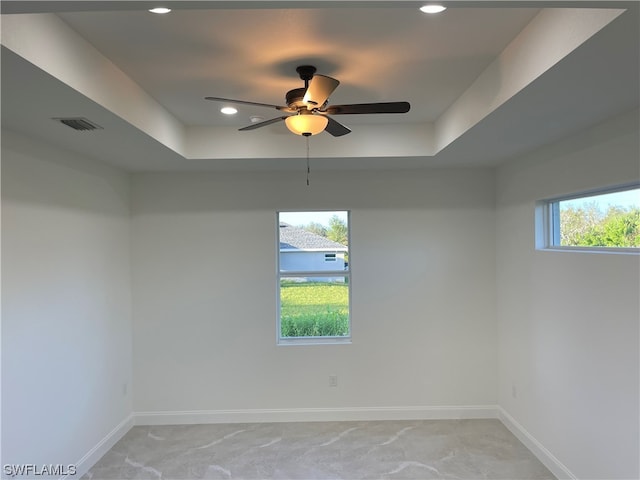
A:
(204, 258)
(568, 322)
(424, 326)
(66, 307)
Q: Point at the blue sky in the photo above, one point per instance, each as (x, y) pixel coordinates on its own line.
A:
(628, 198)
(304, 218)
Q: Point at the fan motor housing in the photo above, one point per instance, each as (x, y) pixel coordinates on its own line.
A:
(294, 98)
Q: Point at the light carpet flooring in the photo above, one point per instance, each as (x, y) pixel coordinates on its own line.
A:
(423, 449)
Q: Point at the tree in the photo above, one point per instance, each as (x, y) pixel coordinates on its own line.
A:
(316, 228)
(338, 231)
(589, 226)
(619, 228)
(575, 223)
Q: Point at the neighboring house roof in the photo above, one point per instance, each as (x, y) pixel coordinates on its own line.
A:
(296, 238)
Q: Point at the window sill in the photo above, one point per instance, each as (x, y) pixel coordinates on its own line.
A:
(292, 341)
(607, 250)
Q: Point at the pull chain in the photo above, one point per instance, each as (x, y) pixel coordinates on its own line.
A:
(308, 167)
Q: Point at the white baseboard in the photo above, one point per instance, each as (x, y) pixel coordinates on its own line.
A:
(98, 451)
(315, 415)
(545, 456)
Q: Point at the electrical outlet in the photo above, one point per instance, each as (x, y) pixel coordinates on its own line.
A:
(514, 391)
(125, 388)
(333, 380)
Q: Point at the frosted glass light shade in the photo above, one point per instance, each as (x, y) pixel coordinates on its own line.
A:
(306, 124)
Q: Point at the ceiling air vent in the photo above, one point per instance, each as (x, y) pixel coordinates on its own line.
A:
(79, 123)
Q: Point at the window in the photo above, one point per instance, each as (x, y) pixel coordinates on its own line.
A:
(314, 277)
(605, 220)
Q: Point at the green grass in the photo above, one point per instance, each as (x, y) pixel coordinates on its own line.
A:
(314, 309)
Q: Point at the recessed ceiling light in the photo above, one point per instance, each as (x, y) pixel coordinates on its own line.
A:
(229, 110)
(160, 10)
(432, 9)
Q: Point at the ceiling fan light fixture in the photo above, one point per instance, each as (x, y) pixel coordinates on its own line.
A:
(432, 8)
(229, 110)
(160, 10)
(304, 124)
(308, 119)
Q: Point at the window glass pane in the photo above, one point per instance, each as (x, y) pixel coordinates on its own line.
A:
(313, 241)
(313, 275)
(606, 220)
(315, 306)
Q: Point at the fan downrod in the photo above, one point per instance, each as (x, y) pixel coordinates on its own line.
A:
(294, 97)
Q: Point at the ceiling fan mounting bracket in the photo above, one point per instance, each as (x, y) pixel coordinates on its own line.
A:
(306, 72)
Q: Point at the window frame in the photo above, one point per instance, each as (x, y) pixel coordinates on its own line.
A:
(346, 273)
(547, 222)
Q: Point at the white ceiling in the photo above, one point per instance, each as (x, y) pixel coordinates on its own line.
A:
(378, 54)
(486, 81)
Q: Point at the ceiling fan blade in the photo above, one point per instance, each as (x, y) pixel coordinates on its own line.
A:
(320, 87)
(244, 102)
(335, 128)
(364, 108)
(253, 126)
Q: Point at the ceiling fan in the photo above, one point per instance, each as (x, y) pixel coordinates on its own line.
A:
(308, 110)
